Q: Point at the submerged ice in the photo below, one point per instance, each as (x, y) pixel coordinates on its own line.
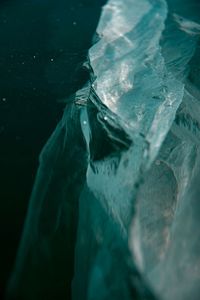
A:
(114, 212)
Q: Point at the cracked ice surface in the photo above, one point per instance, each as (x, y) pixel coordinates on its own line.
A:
(117, 188)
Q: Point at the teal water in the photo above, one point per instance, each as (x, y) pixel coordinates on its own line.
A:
(42, 47)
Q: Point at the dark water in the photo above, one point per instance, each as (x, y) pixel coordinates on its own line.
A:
(43, 44)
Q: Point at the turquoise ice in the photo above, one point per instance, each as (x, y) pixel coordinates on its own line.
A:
(114, 212)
